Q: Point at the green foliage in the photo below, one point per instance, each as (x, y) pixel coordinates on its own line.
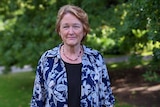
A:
(117, 27)
(135, 59)
(152, 73)
(29, 34)
(147, 17)
(156, 52)
(60, 3)
(28, 28)
(151, 76)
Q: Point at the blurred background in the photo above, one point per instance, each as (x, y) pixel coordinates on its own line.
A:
(126, 32)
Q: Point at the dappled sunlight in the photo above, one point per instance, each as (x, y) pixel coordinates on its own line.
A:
(129, 86)
(154, 88)
(143, 89)
(138, 97)
(138, 89)
(140, 94)
(114, 65)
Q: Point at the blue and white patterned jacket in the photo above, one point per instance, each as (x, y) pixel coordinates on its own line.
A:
(50, 87)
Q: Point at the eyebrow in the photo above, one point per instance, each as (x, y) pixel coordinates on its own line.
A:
(77, 24)
(72, 24)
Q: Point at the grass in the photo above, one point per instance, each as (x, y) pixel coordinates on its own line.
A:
(16, 90)
(123, 104)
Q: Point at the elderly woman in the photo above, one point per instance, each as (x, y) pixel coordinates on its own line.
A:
(71, 74)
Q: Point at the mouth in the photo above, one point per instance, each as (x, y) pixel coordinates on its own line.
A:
(71, 38)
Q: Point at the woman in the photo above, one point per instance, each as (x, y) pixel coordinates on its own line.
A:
(71, 74)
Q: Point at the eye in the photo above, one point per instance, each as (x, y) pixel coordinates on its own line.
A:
(76, 26)
(65, 27)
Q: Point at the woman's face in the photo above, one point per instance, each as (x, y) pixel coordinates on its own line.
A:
(71, 30)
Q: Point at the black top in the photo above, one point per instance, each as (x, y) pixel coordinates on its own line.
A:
(74, 84)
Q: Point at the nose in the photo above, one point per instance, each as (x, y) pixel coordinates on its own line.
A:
(70, 30)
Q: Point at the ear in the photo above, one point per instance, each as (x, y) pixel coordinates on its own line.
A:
(84, 34)
(59, 33)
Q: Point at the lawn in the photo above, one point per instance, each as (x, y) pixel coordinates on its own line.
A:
(16, 90)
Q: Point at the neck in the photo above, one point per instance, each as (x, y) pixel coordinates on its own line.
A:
(71, 53)
(71, 50)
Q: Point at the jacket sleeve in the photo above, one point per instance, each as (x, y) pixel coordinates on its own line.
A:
(106, 95)
(39, 93)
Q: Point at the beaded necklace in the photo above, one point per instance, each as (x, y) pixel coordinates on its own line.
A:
(70, 58)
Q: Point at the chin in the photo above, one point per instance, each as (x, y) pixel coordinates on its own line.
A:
(72, 44)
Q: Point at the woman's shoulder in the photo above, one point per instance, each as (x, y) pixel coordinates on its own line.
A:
(90, 51)
(93, 54)
(51, 52)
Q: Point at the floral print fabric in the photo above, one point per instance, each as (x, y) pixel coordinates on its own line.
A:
(50, 86)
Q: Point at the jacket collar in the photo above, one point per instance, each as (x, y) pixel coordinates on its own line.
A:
(55, 52)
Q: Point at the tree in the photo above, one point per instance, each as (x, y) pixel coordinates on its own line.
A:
(117, 26)
(28, 28)
(28, 32)
(145, 16)
(141, 26)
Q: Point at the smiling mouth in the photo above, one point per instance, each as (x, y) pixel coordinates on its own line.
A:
(71, 38)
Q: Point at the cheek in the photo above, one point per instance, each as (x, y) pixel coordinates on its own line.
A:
(62, 32)
(60, 35)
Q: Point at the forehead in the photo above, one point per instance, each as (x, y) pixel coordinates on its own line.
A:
(70, 18)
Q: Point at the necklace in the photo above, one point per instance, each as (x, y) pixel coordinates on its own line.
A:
(70, 58)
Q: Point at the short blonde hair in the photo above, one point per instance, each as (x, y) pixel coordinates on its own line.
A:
(77, 12)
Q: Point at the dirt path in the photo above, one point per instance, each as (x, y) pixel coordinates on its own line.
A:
(130, 87)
